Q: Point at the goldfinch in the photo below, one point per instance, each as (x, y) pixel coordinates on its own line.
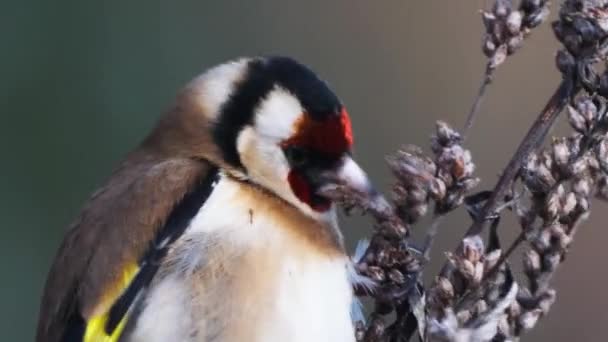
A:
(213, 229)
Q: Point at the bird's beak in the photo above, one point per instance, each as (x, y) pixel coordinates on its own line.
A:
(352, 176)
(349, 174)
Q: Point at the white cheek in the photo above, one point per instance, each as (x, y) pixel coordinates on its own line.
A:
(277, 113)
(267, 167)
(264, 161)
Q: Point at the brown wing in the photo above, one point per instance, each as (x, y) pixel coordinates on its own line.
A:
(114, 230)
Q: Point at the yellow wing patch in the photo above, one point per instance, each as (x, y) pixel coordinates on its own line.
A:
(95, 330)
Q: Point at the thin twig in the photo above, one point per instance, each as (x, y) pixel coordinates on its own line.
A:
(487, 79)
(430, 236)
(533, 139)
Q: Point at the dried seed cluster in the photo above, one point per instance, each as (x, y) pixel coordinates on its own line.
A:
(477, 297)
(560, 181)
(445, 179)
(583, 31)
(507, 27)
(468, 301)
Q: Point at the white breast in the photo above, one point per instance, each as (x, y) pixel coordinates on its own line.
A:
(313, 303)
(237, 275)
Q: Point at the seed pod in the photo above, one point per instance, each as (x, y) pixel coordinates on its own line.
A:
(514, 43)
(569, 204)
(444, 289)
(513, 22)
(396, 276)
(576, 120)
(561, 153)
(437, 189)
(502, 8)
(529, 319)
(581, 187)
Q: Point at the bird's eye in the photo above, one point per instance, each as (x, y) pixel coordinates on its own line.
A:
(296, 156)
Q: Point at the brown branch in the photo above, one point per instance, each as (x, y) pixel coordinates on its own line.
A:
(533, 139)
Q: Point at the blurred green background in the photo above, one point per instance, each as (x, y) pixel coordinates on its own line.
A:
(81, 83)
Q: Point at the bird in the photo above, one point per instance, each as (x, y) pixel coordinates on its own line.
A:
(214, 227)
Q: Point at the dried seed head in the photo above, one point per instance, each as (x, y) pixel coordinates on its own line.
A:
(490, 259)
(416, 196)
(565, 62)
(359, 331)
(529, 6)
(514, 310)
(444, 289)
(537, 17)
(467, 269)
(513, 22)
(587, 109)
(536, 175)
(445, 135)
(437, 189)
(553, 204)
(488, 47)
(412, 213)
(582, 204)
(376, 329)
(551, 261)
(559, 237)
(473, 248)
(411, 163)
(499, 57)
(577, 120)
(569, 204)
(546, 300)
(529, 319)
(502, 8)
(601, 155)
(464, 316)
(446, 177)
(603, 86)
(376, 273)
(413, 266)
(396, 276)
(478, 273)
(457, 160)
(488, 20)
(515, 43)
(561, 152)
(542, 240)
(581, 187)
(578, 167)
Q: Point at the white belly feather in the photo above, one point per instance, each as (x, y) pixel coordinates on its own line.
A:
(238, 275)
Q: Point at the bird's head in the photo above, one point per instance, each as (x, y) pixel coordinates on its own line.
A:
(274, 123)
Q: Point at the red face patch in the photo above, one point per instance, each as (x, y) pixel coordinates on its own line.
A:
(332, 136)
(301, 188)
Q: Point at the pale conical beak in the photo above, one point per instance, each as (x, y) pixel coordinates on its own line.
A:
(350, 176)
(350, 180)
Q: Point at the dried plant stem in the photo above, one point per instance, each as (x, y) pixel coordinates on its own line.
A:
(430, 236)
(487, 79)
(477, 296)
(505, 256)
(533, 139)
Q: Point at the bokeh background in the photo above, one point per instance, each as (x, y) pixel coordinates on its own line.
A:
(82, 82)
